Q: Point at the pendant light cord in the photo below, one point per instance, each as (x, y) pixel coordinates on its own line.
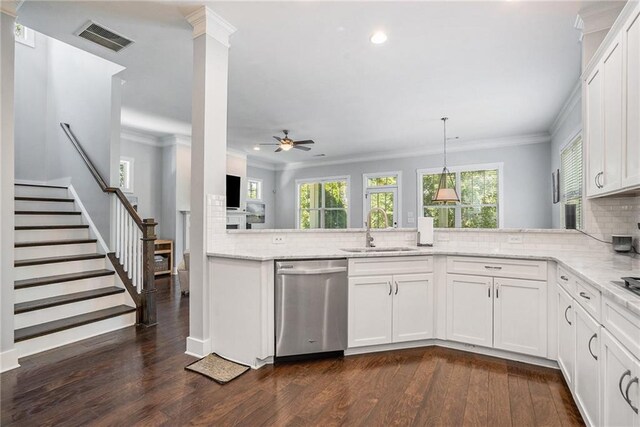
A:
(444, 120)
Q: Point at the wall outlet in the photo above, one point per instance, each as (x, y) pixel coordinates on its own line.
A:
(277, 240)
(514, 239)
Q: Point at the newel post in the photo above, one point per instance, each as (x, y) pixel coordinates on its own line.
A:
(148, 294)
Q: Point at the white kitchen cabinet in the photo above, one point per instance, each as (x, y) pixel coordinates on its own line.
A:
(389, 309)
(370, 310)
(613, 114)
(520, 316)
(631, 142)
(587, 366)
(621, 395)
(566, 335)
(593, 131)
(412, 307)
(470, 309)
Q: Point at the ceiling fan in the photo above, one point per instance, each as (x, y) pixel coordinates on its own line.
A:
(286, 143)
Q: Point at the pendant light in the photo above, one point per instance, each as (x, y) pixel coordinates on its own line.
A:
(445, 194)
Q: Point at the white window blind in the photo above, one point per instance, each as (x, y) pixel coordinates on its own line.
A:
(571, 178)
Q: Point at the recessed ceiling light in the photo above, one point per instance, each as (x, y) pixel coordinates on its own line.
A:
(378, 37)
(256, 148)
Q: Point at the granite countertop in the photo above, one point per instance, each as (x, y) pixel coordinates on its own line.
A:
(598, 268)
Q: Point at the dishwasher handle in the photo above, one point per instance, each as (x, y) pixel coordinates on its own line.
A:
(311, 271)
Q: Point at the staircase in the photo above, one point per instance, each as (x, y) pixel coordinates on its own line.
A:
(65, 289)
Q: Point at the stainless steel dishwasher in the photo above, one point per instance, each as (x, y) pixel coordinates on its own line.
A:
(311, 307)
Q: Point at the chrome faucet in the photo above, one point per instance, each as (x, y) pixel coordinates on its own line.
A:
(369, 238)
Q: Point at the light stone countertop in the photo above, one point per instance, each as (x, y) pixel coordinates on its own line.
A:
(597, 268)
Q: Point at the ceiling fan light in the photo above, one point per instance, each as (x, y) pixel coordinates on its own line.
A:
(286, 147)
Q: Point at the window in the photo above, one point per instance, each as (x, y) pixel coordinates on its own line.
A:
(323, 203)
(571, 178)
(479, 188)
(381, 190)
(254, 189)
(126, 174)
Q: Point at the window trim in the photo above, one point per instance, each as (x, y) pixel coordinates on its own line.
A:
(465, 168)
(128, 189)
(346, 178)
(260, 186)
(398, 187)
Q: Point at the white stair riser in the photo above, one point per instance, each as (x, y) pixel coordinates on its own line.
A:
(58, 250)
(37, 317)
(26, 191)
(33, 205)
(39, 344)
(54, 289)
(42, 270)
(48, 220)
(44, 235)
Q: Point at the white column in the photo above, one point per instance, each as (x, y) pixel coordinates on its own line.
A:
(8, 353)
(208, 161)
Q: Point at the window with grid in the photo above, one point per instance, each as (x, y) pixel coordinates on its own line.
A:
(381, 190)
(126, 174)
(571, 179)
(323, 203)
(479, 193)
(254, 189)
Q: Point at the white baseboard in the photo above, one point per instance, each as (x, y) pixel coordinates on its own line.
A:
(9, 360)
(198, 348)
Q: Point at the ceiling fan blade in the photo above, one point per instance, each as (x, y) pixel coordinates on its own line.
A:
(277, 138)
(302, 147)
(306, 141)
(269, 144)
(279, 149)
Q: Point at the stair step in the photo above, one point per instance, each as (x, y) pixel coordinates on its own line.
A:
(24, 307)
(40, 186)
(56, 259)
(49, 227)
(48, 213)
(43, 199)
(59, 278)
(70, 322)
(54, 243)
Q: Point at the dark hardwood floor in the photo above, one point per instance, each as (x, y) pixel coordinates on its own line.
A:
(137, 377)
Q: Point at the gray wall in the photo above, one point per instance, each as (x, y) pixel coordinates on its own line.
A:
(147, 177)
(527, 183)
(74, 87)
(564, 134)
(268, 178)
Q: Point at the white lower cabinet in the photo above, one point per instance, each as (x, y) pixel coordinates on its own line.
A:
(470, 309)
(566, 335)
(621, 393)
(587, 365)
(508, 314)
(520, 316)
(389, 309)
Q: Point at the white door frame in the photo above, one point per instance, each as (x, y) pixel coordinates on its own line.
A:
(397, 212)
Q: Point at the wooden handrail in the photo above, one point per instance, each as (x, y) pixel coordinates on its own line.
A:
(145, 300)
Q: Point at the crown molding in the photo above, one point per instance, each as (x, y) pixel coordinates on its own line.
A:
(569, 104)
(10, 7)
(206, 21)
(141, 138)
(462, 146)
(598, 16)
(261, 164)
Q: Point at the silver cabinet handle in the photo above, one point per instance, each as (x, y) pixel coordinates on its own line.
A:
(627, 372)
(498, 291)
(493, 267)
(565, 315)
(589, 346)
(598, 183)
(584, 295)
(489, 292)
(565, 278)
(596, 180)
(626, 394)
(390, 287)
(397, 287)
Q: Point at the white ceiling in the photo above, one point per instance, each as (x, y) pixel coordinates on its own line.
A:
(498, 69)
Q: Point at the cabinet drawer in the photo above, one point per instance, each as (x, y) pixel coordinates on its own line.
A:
(566, 280)
(622, 324)
(390, 265)
(589, 298)
(497, 267)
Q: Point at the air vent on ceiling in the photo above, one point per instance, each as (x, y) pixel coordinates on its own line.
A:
(103, 36)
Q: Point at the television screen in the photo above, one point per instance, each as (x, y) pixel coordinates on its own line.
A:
(233, 192)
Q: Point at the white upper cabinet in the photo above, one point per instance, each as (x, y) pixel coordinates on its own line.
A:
(520, 316)
(611, 114)
(631, 142)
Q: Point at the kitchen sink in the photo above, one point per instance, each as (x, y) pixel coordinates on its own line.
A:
(389, 249)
